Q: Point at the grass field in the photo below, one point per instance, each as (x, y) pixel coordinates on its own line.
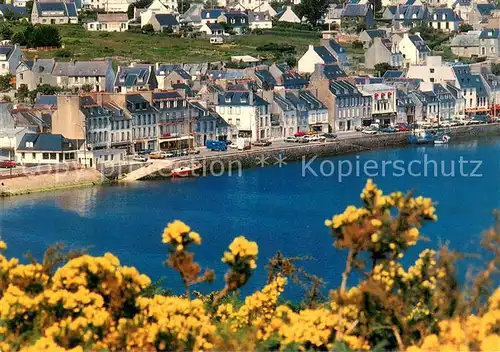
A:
(128, 46)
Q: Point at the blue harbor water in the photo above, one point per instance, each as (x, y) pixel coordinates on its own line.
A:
(280, 208)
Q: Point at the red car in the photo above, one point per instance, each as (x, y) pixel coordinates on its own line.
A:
(402, 128)
(7, 164)
(299, 134)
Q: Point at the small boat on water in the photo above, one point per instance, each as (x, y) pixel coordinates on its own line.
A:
(184, 171)
(443, 140)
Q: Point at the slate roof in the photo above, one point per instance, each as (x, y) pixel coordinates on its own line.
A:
(468, 81)
(68, 9)
(49, 142)
(283, 103)
(393, 74)
(355, 10)
(310, 100)
(465, 39)
(46, 100)
(81, 68)
(489, 34)
(293, 80)
(43, 65)
(392, 9)
(336, 47)
(130, 76)
(449, 16)
(324, 54)
(226, 74)
(166, 19)
(28, 63)
(211, 14)
(16, 10)
(373, 33)
(343, 88)
(485, 9)
(294, 100)
(182, 73)
(265, 77)
(6, 50)
(240, 19)
(258, 17)
(419, 43)
(165, 69)
(166, 96)
(240, 98)
(215, 26)
(333, 71)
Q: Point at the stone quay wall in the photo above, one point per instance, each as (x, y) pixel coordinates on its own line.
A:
(30, 183)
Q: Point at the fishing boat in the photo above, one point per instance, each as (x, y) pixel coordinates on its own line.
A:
(421, 136)
(184, 171)
(442, 140)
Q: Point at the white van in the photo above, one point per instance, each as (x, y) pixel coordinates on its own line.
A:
(216, 40)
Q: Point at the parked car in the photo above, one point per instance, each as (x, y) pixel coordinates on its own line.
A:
(193, 151)
(330, 136)
(299, 134)
(169, 154)
(302, 139)
(145, 152)
(388, 129)
(402, 127)
(140, 158)
(7, 164)
(290, 139)
(370, 130)
(262, 143)
(157, 155)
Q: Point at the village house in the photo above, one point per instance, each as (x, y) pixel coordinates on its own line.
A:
(474, 90)
(445, 20)
(409, 16)
(109, 22)
(32, 73)
(54, 13)
(144, 122)
(135, 78)
(287, 15)
(265, 6)
(98, 76)
(413, 49)
(236, 21)
(433, 71)
(209, 125)
(47, 148)
(355, 16)
(479, 13)
(247, 113)
(213, 29)
(313, 56)
(10, 56)
(381, 50)
(333, 15)
(260, 20)
(466, 44)
(192, 16)
(163, 6)
(367, 37)
(489, 43)
(383, 99)
(105, 5)
(16, 11)
(285, 112)
(337, 50)
(211, 16)
(160, 21)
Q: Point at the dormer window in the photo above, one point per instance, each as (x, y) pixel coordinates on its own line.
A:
(29, 144)
(120, 113)
(242, 20)
(414, 16)
(244, 100)
(435, 16)
(227, 99)
(232, 20)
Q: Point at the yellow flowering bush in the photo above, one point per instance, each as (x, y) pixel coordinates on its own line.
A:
(93, 303)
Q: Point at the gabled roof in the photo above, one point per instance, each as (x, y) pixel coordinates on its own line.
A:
(447, 15)
(81, 68)
(43, 65)
(324, 54)
(45, 101)
(27, 63)
(310, 100)
(241, 98)
(50, 8)
(166, 19)
(49, 142)
(335, 46)
(485, 9)
(343, 88)
(6, 50)
(16, 10)
(355, 10)
(211, 14)
(131, 76)
(372, 33)
(468, 81)
(215, 26)
(393, 74)
(333, 71)
(292, 79)
(158, 96)
(419, 43)
(182, 73)
(258, 17)
(226, 74)
(165, 69)
(469, 39)
(391, 9)
(283, 103)
(490, 34)
(265, 77)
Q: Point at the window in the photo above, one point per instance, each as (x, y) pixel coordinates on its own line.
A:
(21, 76)
(432, 70)
(45, 156)
(53, 156)
(238, 122)
(33, 155)
(23, 155)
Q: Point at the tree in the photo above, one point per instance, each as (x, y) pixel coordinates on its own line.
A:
(148, 28)
(5, 31)
(87, 88)
(465, 27)
(184, 6)
(22, 93)
(29, 7)
(47, 89)
(313, 10)
(495, 69)
(18, 38)
(382, 67)
(131, 11)
(6, 82)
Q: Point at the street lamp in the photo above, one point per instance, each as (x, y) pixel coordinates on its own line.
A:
(84, 130)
